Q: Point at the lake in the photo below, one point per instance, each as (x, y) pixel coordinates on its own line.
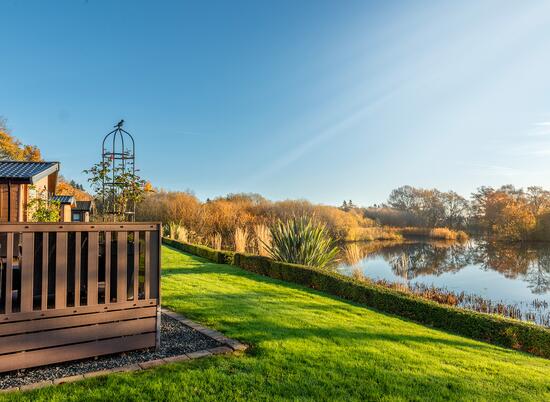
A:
(517, 275)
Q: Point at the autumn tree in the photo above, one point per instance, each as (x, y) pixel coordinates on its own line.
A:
(457, 209)
(12, 149)
(508, 216)
(538, 200)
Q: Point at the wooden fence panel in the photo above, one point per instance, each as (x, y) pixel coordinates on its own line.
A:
(54, 333)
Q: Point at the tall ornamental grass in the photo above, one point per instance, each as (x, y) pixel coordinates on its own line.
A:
(263, 239)
(241, 240)
(353, 254)
(301, 241)
(217, 241)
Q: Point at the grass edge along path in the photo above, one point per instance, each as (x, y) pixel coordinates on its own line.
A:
(306, 345)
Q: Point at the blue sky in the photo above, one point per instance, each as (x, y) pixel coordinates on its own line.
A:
(323, 100)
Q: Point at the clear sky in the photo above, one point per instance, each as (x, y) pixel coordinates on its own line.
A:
(323, 100)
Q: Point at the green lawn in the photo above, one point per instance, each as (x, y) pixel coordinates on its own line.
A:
(310, 346)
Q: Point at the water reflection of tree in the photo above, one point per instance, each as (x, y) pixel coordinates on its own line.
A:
(538, 275)
(528, 262)
(427, 259)
(522, 261)
(510, 260)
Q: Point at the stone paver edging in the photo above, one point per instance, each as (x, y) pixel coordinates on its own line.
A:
(229, 346)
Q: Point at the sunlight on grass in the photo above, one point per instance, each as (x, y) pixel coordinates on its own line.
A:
(310, 346)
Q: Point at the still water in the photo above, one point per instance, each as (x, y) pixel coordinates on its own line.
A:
(517, 274)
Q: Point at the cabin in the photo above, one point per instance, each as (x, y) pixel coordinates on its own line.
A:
(20, 182)
(82, 210)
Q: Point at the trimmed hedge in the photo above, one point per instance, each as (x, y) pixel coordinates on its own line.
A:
(484, 327)
(219, 256)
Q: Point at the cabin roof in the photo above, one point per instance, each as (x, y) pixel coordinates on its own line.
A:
(83, 206)
(26, 172)
(63, 199)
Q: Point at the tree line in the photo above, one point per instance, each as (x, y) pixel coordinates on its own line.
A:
(505, 213)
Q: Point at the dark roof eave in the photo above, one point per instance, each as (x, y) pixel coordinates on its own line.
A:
(31, 179)
(16, 180)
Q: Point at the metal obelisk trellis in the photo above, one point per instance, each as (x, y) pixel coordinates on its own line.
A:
(118, 156)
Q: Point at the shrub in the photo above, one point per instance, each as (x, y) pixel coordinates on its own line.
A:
(219, 256)
(300, 241)
(373, 233)
(485, 327)
(435, 233)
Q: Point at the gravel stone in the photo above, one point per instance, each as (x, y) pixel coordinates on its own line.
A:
(175, 339)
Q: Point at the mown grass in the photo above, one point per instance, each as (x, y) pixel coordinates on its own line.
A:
(310, 346)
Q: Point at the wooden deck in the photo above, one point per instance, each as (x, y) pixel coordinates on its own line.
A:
(75, 290)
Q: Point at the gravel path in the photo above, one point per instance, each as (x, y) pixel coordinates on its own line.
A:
(176, 339)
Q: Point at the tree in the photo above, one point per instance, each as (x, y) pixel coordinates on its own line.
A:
(12, 149)
(404, 198)
(509, 218)
(456, 209)
(114, 200)
(344, 206)
(538, 200)
(478, 207)
(42, 209)
(426, 204)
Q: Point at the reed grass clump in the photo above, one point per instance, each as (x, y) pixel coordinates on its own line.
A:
(240, 239)
(434, 233)
(353, 254)
(263, 239)
(217, 241)
(372, 234)
(182, 234)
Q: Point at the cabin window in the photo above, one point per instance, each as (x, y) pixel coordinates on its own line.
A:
(76, 217)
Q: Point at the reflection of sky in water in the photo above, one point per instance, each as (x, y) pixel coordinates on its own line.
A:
(472, 278)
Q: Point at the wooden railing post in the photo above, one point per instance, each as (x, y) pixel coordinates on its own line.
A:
(93, 257)
(107, 258)
(45, 256)
(61, 270)
(77, 268)
(122, 267)
(147, 280)
(136, 265)
(27, 271)
(9, 272)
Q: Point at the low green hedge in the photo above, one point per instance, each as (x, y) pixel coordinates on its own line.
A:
(219, 256)
(489, 328)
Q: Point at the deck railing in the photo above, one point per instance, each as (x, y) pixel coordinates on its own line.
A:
(75, 290)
